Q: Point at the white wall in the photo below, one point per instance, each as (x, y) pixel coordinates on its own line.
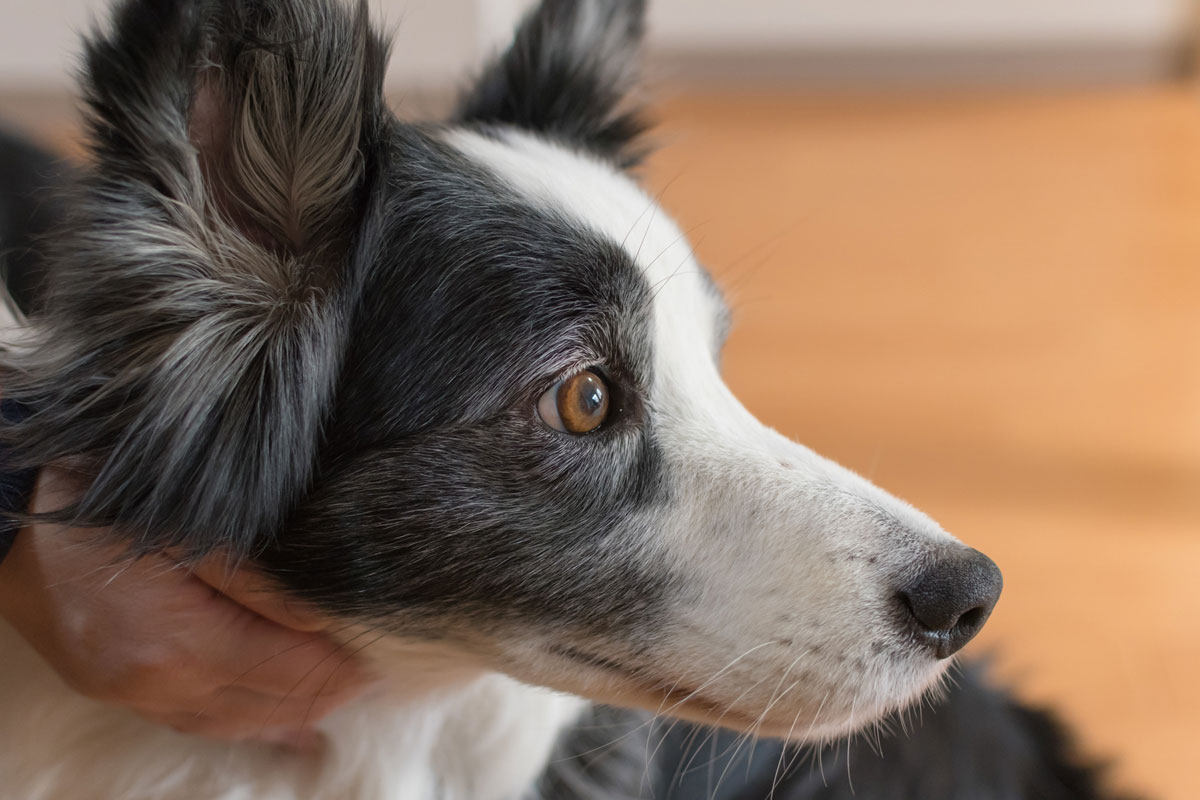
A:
(37, 40)
(782, 24)
(434, 39)
(439, 39)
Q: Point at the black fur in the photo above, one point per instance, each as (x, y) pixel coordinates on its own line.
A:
(977, 744)
(546, 83)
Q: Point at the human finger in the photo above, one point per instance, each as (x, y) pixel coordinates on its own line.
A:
(251, 589)
(255, 653)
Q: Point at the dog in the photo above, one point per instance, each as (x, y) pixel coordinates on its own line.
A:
(457, 385)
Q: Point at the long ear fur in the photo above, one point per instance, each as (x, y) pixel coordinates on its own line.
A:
(567, 75)
(194, 331)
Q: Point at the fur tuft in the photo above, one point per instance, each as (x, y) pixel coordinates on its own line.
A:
(190, 350)
(567, 76)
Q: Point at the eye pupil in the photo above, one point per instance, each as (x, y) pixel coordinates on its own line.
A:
(582, 402)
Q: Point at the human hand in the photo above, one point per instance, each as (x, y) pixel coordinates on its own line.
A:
(211, 650)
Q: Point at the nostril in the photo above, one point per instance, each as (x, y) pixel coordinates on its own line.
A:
(973, 619)
(930, 609)
(948, 603)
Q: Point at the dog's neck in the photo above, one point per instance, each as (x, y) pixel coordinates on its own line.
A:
(441, 728)
(486, 739)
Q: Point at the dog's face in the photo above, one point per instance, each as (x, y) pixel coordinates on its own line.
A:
(461, 382)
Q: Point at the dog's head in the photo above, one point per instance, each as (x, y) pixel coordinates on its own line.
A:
(458, 382)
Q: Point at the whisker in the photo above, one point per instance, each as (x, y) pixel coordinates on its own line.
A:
(645, 233)
(750, 734)
(693, 693)
(253, 667)
(329, 677)
(313, 669)
(656, 717)
(682, 237)
(779, 775)
(755, 249)
(729, 707)
(655, 200)
(688, 744)
(808, 737)
(771, 704)
(849, 777)
(636, 220)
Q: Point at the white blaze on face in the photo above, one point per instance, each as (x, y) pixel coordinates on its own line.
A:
(790, 561)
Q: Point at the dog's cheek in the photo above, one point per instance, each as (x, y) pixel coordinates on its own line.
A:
(496, 525)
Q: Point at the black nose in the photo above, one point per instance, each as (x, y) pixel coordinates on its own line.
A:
(948, 603)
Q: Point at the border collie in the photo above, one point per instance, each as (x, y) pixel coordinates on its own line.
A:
(457, 385)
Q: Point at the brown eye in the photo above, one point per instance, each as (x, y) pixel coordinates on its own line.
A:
(576, 405)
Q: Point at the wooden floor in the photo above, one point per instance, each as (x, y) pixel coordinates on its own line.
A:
(991, 306)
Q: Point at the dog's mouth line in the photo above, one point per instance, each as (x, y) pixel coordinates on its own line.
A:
(673, 696)
(671, 699)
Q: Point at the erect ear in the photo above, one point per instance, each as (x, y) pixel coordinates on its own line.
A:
(567, 75)
(194, 328)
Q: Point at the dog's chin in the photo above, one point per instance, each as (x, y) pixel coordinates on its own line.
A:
(809, 715)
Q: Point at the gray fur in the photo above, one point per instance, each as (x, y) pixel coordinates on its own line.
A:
(194, 335)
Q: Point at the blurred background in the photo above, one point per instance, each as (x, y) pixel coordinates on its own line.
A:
(963, 241)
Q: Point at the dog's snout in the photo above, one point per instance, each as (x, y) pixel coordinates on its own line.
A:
(949, 602)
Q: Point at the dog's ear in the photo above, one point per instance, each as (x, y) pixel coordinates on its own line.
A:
(568, 75)
(195, 324)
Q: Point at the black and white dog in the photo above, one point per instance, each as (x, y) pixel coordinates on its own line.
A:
(457, 384)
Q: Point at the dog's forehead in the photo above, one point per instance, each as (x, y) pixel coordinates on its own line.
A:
(689, 311)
